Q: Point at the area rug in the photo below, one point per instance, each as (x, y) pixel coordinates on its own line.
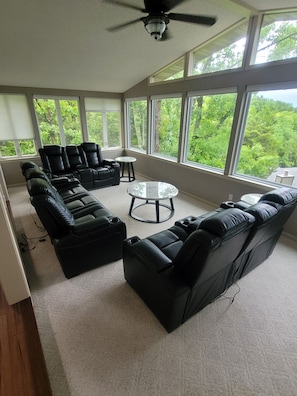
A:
(99, 338)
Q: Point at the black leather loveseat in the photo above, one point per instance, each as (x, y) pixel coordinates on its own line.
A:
(177, 272)
(85, 234)
(84, 162)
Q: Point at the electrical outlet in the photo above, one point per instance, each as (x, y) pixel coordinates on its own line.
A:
(230, 197)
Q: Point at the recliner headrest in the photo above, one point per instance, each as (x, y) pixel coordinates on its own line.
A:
(283, 196)
(39, 186)
(35, 172)
(227, 222)
(53, 149)
(262, 212)
(89, 146)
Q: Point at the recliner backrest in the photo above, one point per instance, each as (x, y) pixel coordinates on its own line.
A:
(284, 199)
(214, 246)
(50, 207)
(76, 160)
(92, 153)
(54, 159)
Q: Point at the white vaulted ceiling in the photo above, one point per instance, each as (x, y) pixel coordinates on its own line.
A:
(65, 44)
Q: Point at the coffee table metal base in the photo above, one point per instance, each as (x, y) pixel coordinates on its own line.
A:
(157, 204)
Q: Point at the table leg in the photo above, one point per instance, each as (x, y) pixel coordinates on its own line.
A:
(171, 203)
(158, 211)
(131, 206)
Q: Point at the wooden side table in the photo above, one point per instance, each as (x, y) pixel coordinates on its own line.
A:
(127, 162)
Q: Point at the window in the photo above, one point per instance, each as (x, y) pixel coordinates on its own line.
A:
(104, 121)
(210, 123)
(59, 121)
(137, 124)
(269, 145)
(278, 37)
(16, 129)
(166, 126)
(225, 52)
(172, 72)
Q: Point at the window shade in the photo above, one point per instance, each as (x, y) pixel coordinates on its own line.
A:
(15, 120)
(102, 104)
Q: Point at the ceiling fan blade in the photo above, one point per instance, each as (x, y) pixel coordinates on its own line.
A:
(124, 4)
(122, 25)
(158, 6)
(199, 19)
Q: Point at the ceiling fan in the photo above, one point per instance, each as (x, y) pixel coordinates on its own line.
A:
(158, 17)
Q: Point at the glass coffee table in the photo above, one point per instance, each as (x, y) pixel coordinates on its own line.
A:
(152, 192)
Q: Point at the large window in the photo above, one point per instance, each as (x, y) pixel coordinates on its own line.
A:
(16, 129)
(269, 147)
(225, 52)
(166, 126)
(104, 121)
(137, 124)
(210, 123)
(278, 37)
(173, 71)
(59, 120)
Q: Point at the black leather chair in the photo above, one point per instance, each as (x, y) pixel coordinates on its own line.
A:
(83, 162)
(177, 274)
(271, 213)
(105, 172)
(85, 234)
(55, 161)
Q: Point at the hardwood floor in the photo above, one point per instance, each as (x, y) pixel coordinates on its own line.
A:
(22, 366)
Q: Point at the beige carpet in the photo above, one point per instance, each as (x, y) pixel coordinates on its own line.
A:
(99, 338)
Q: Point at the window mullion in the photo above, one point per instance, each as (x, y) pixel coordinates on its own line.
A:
(60, 122)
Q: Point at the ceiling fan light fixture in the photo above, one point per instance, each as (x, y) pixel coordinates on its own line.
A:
(155, 27)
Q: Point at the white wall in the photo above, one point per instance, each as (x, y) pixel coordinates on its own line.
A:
(12, 276)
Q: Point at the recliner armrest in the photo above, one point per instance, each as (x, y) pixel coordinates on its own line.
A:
(100, 224)
(110, 162)
(148, 253)
(62, 182)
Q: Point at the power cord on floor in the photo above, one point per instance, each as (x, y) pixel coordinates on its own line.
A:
(27, 243)
(231, 299)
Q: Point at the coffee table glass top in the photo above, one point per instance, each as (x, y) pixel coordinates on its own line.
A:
(153, 190)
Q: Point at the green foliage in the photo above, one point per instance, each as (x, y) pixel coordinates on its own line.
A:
(277, 41)
(167, 126)
(210, 128)
(138, 123)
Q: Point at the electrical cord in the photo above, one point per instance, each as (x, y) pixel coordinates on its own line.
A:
(230, 298)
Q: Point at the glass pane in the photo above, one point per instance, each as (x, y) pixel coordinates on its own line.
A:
(225, 52)
(167, 114)
(172, 72)
(138, 124)
(95, 127)
(48, 121)
(113, 130)
(269, 146)
(278, 38)
(71, 121)
(27, 147)
(211, 118)
(7, 149)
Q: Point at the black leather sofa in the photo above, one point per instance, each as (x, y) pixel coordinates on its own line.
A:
(84, 233)
(84, 162)
(177, 272)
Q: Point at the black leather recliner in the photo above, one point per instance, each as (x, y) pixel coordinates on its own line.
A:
(83, 162)
(85, 234)
(103, 170)
(271, 213)
(177, 274)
